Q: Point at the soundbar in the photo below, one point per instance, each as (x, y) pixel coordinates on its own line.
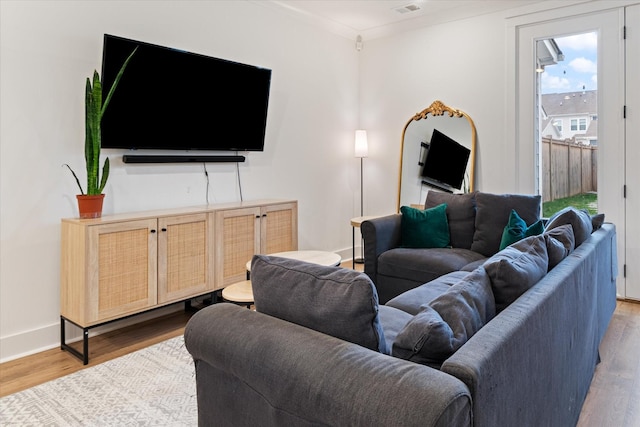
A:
(181, 159)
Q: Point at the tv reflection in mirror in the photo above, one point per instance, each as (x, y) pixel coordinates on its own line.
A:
(445, 163)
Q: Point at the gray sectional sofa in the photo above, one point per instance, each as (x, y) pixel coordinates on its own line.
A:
(511, 340)
(476, 221)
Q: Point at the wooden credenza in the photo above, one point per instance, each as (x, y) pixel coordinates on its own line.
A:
(119, 265)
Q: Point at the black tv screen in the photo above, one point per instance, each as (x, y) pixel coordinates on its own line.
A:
(445, 163)
(176, 100)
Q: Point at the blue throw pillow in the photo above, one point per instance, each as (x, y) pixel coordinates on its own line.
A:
(517, 230)
(426, 228)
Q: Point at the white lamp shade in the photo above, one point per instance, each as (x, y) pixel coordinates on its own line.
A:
(362, 148)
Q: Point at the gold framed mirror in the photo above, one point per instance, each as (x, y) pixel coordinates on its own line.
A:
(453, 123)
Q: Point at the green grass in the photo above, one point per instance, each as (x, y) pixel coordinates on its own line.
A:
(588, 201)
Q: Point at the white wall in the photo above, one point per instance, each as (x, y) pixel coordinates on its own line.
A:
(48, 48)
(460, 63)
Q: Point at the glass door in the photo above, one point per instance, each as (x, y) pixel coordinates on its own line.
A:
(575, 51)
(567, 122)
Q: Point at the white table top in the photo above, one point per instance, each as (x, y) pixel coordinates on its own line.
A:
(316, 257)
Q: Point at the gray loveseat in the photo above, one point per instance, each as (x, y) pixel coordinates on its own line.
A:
(321, 350)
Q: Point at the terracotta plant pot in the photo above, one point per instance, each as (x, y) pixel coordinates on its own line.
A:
(90, 206)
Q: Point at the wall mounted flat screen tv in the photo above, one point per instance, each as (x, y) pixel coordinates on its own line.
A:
(176, 100)
(445, 163)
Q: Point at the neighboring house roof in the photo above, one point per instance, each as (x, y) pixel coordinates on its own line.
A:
(570, 103)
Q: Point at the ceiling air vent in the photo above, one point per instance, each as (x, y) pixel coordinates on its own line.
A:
(412, 7)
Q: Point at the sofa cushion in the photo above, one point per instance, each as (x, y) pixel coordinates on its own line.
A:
(392, 321)
(426, 339)
(473, 265)
(516, 230)
(423, 265)
(412, 300)
(461, 215)
(560, 243)
(492, 215)
(517, 268)
(580, 222)
(333, 300)
(596, 221)
(424, 228)
(445, 324)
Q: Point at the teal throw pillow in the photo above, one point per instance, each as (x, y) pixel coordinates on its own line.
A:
(517, 230)
(426, 228)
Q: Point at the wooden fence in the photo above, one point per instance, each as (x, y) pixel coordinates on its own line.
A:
(568, 169)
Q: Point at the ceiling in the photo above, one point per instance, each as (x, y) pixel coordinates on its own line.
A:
(378, 18)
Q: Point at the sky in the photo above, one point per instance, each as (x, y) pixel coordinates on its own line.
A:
(579, 67)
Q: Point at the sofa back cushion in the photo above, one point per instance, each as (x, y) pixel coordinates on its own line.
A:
(517, 268)
(413, 300)
(446, 323)
(579, 220)
(596, 221)
(492, 215)
(560, 243)
(461, 215)
(336, 301)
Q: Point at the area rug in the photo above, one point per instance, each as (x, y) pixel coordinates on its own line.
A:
(154, 386)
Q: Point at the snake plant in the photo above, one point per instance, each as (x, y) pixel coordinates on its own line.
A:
(94, 110)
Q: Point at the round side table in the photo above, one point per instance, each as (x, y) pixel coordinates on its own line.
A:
(239, 292)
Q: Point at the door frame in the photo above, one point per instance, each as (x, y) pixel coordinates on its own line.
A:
(632, 154)
(607, 18)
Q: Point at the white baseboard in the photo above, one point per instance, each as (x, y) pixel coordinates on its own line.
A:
(47, 337)
(29, 342)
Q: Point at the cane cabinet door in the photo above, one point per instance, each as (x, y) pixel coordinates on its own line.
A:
(122, 265)
(183, 257)
(237, 240)
(242, 233)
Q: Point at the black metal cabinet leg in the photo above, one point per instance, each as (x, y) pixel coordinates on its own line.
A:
(63, 340)
(84, 356)
(85, 346)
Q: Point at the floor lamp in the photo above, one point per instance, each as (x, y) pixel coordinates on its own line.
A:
(361, 150)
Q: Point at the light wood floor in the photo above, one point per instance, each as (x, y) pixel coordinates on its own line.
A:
(614, 395)
(613, 399)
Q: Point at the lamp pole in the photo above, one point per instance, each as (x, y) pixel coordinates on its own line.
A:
(361, 187)
(361, 150)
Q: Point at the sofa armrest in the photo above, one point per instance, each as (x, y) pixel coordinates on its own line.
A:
(541, 351)
(254, 369)
(379, 235)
